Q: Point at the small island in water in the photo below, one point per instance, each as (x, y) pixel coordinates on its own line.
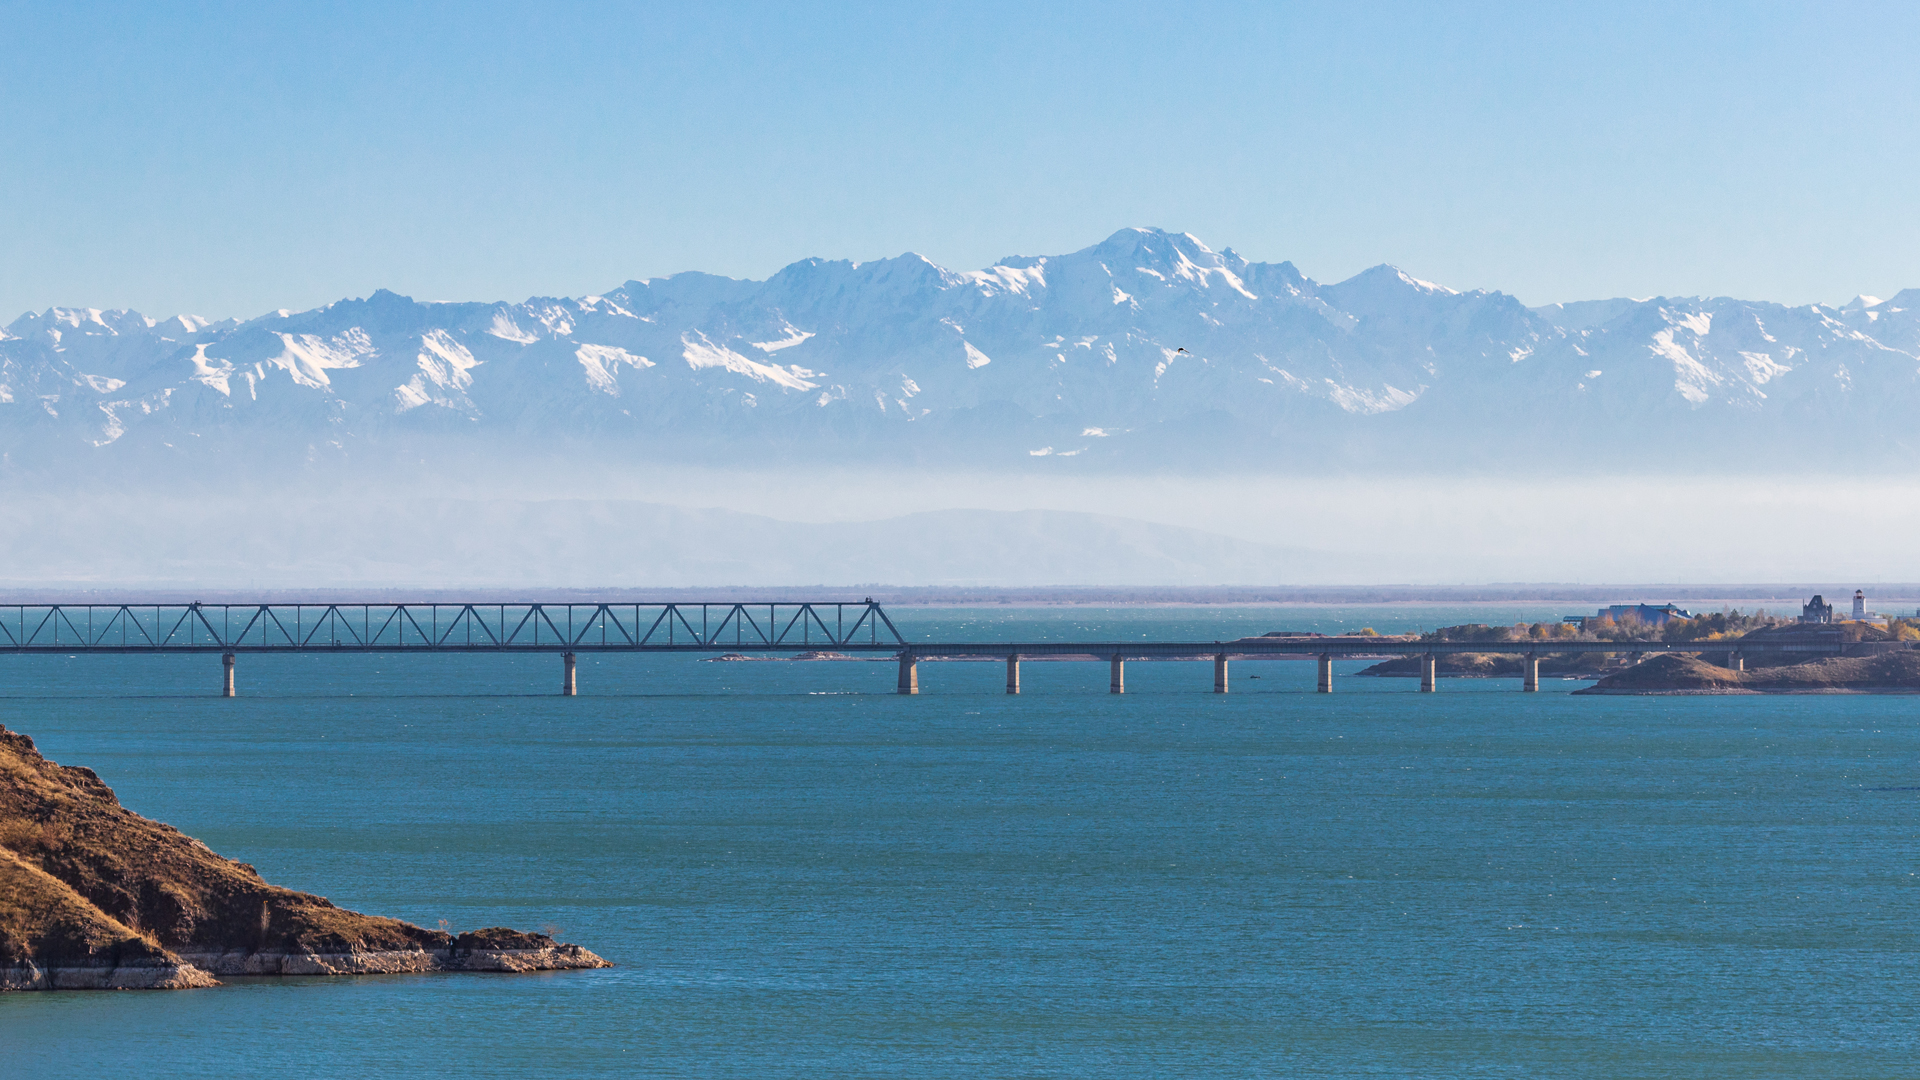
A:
(95, 897)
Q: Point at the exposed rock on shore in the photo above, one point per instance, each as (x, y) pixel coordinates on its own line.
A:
(96, 897)
(1491, 665)
(1893, 672)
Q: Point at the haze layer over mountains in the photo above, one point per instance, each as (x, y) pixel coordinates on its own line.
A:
(1148, 354)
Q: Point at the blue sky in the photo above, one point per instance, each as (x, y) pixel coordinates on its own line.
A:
(226, 159)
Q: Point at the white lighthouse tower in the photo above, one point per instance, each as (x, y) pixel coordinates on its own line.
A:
(1859, 604)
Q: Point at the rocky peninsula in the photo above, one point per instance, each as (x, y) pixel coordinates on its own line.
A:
(1780, 655)
(1886, 673)
(95, 897)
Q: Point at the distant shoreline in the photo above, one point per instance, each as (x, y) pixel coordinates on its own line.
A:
(1899, 597)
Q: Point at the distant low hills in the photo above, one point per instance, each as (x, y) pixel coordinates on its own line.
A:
(582, 542)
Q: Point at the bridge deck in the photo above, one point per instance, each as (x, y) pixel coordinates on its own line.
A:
(785, 626)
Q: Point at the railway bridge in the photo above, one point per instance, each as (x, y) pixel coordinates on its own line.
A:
(571, 628)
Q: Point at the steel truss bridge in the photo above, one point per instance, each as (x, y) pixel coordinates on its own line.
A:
(781, 626)
(441, 627)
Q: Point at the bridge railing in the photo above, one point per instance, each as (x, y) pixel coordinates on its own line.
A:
(294, 626)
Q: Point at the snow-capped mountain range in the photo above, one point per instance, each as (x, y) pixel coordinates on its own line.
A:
(1147, 349)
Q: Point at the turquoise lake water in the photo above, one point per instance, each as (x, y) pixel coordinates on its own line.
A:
(802, 874)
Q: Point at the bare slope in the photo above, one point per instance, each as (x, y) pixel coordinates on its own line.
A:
(94, 896)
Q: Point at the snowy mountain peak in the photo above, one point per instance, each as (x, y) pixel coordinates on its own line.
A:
(1387, 276)
(1145, 258)
(1387, 291)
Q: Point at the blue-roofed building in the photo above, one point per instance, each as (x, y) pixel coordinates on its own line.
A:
(1647, 614)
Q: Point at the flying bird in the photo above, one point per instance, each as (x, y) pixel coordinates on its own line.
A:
(1179, 350)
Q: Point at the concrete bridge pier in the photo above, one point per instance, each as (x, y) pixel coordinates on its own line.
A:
(1117, 675)
(1737, 661)
(1530, 673)
(226, 687)
(1220, 674)
(1429, 676)
(567, 684)
(909, 674)
(1013, 674)
(1324, 684)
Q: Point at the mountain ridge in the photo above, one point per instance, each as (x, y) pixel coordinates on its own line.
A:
(1146, 350)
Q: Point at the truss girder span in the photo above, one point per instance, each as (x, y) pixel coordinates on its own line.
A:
(394, 627)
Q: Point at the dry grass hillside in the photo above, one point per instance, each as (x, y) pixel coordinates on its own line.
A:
(92, 895)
